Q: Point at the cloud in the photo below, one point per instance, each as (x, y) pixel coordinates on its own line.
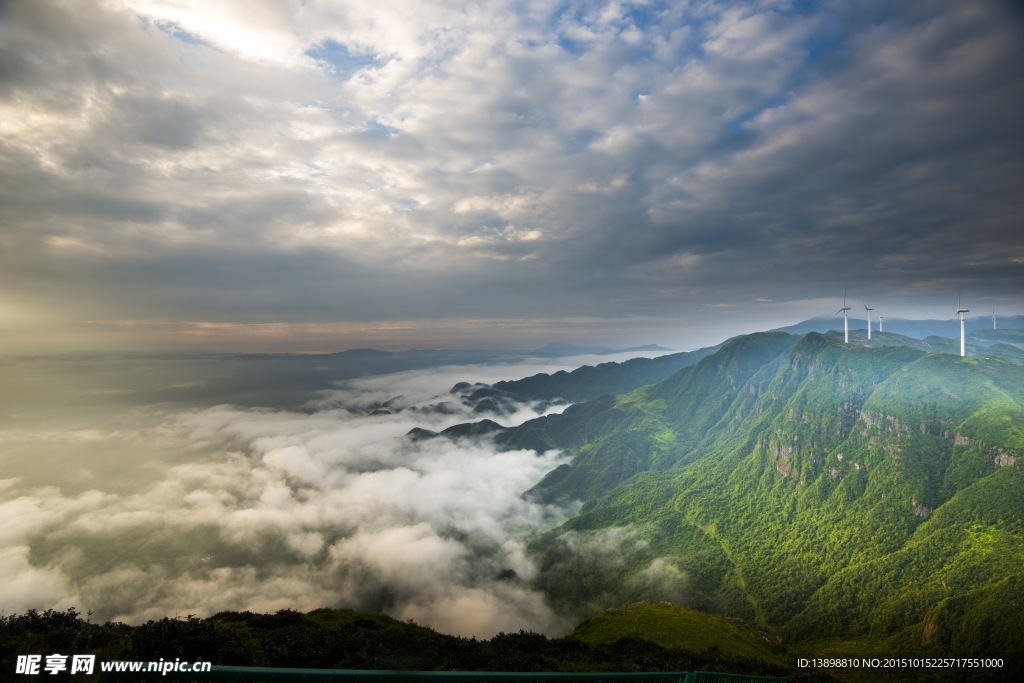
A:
(28, 587)
(605, 556)
(661, 578)
(356, 164)
(234, 508)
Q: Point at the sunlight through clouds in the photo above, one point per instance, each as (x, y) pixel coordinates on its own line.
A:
(356, 162)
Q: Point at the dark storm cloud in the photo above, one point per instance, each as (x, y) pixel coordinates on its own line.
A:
(600, 161)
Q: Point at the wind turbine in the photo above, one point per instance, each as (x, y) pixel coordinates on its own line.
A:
(880, 319)
(993, 317)
(960, 310)
(869, 320)
(845, 310)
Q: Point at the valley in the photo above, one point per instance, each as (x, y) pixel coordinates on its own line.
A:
(844, 498)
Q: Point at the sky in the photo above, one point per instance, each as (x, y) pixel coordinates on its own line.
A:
(314, 176)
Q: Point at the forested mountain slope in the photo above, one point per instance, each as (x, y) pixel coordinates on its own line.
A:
(871, 496)
(590, 381)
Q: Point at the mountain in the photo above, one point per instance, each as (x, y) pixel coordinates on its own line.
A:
(545, 390)
(917, 329)
(555, 349)
(589, 381)
(332, 639)
(846, 498)
(676, 627)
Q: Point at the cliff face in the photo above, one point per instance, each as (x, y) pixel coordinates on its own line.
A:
(825, 490)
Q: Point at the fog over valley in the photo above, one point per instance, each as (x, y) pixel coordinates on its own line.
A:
(140, 511)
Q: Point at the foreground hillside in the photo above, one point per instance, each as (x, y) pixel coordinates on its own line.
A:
(851, 498)
(671, 626)
(345, 639)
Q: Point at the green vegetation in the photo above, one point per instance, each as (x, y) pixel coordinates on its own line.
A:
(606, 379)
(676, 627)
(343, 639)
(842, 496)
(844, 500)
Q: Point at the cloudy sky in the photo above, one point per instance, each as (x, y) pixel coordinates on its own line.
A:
(315, 175)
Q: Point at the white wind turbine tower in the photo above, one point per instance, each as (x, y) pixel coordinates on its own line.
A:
(880, 319)
(869, 320)
(960, 310)
(845, 310)
(993, 317)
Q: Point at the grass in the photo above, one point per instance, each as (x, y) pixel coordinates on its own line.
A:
(677, 627)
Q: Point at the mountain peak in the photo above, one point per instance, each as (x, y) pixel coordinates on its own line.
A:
(875, 460)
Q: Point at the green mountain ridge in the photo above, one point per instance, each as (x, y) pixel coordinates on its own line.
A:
(976, 326)
(831, 493)
(589, 382)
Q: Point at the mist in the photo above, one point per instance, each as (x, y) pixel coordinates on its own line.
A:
(141, 511)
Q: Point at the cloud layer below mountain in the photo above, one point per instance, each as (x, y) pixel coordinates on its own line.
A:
(161, 512)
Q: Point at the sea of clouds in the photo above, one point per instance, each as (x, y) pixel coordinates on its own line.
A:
(163, 510)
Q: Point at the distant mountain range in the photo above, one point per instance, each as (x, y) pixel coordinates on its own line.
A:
(917, 329)
(856, 499)
(557, 350)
